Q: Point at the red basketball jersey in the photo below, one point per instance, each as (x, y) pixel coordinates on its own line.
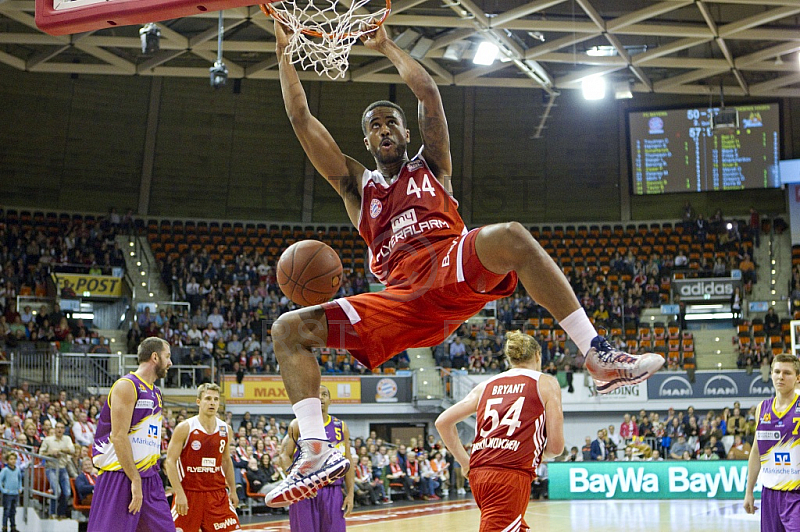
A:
(510, 431)
(401, 221)
(200, 463)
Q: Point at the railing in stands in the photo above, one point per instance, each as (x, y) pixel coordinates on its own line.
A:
(34, 481)
(53, 371)
(179, 375)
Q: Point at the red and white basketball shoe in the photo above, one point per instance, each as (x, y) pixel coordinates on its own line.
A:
(611, 368)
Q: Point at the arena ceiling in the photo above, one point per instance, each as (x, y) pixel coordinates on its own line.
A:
(745, 47)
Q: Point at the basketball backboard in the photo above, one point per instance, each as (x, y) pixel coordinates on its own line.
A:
(60, 17)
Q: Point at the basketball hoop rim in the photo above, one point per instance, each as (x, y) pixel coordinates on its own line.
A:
(271, 12)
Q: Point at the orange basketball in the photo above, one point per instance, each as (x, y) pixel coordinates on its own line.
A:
(309, 272)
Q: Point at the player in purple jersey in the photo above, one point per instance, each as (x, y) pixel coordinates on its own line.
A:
(775, 455)
(326, 511)
(129, 495)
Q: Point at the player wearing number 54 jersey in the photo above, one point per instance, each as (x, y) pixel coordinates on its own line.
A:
(199, 467)
(775, 455)
(519, 423)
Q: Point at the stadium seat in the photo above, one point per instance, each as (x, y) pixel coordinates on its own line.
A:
(76, 502)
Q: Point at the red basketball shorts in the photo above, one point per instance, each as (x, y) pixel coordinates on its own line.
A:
(375, 326)
(208, 510)
(502, 495)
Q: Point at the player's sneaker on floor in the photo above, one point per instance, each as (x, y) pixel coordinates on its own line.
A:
(611, 368)
(318, 464)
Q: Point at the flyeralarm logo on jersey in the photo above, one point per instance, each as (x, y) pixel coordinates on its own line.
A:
(404, 219)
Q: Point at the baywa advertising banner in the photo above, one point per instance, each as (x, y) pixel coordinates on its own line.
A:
(708, 385)
(712, 479)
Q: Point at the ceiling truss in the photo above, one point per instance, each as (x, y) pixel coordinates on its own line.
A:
(740, 47)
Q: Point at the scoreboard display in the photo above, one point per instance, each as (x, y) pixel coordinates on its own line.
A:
(678, 150)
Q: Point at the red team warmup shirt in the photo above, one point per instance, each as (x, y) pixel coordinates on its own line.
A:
(420, 249)
(510, 431)
(200, 463)
(203, 481)
(509, 440)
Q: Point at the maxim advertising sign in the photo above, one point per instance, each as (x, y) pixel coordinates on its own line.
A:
(705, 289)
(708, 385)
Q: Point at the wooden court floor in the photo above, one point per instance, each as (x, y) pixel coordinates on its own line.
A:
(577, 516)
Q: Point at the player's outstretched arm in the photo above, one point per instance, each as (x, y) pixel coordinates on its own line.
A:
(174, 449)
(553, 415)
(432, 120)
(447, 421)
(227, 469)
(326, 156)
(753, 469)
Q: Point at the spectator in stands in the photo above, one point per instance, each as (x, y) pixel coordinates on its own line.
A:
(539, 488)
(216, 319)
(708, 454)
(429, 481)
(441, 471)
(11, 487)
(716, 447)
(688, 216)
(369, 482)
(735, 425)
(586, 450)
(628, 428)
(748, 269)
(740, 450)
(396, 474)
(720, 269)
(736, 305)
(772, 323)
(680, 261)
(60, 447)
(598, 448)
(83, 430)
(678, 447)
(701, 228)
(574, 455)
(615, 438)
(85, 481)
(458, 353)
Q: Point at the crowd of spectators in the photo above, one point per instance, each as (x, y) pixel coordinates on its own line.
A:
(31, 251)
(678, 436)
(63, 427)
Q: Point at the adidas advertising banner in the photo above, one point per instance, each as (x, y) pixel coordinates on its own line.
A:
(674, 479)
(708, 385)
(705, 288)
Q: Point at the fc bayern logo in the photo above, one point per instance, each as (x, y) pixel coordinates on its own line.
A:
(375, 208)
(196, 445)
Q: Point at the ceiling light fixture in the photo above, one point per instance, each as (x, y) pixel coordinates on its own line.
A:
(594, 88)
(486, 54)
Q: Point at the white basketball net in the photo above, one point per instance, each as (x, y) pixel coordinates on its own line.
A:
(324, 31)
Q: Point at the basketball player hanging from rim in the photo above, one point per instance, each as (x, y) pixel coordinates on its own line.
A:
(437, 274)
